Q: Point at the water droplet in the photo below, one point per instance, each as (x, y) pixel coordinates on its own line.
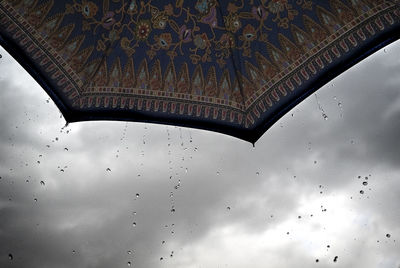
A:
(388, 235)
(365, 183)
(42, 183)
(10, 257)
(335, 259)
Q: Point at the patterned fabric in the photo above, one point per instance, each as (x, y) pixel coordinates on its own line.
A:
(232, 66)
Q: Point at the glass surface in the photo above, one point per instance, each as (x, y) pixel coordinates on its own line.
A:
(321, 188)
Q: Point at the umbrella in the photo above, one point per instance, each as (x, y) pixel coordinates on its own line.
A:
(230, 66)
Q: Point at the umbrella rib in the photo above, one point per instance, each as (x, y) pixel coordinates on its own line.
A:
(234, 62)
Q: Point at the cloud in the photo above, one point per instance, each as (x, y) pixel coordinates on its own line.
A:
(231, 204)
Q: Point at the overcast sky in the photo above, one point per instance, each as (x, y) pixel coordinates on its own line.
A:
(110, 194)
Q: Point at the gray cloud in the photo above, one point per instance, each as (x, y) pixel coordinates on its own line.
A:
(233, 204)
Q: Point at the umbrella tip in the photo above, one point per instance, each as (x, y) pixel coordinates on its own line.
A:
(66, 125)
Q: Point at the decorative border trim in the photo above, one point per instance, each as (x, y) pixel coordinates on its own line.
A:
(200, 111)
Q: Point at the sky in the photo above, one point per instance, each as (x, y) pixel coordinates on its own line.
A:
(321, 188)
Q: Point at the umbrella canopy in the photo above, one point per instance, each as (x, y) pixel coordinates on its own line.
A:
(233, 67)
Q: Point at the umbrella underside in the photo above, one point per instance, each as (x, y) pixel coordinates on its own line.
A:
(233, 67)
